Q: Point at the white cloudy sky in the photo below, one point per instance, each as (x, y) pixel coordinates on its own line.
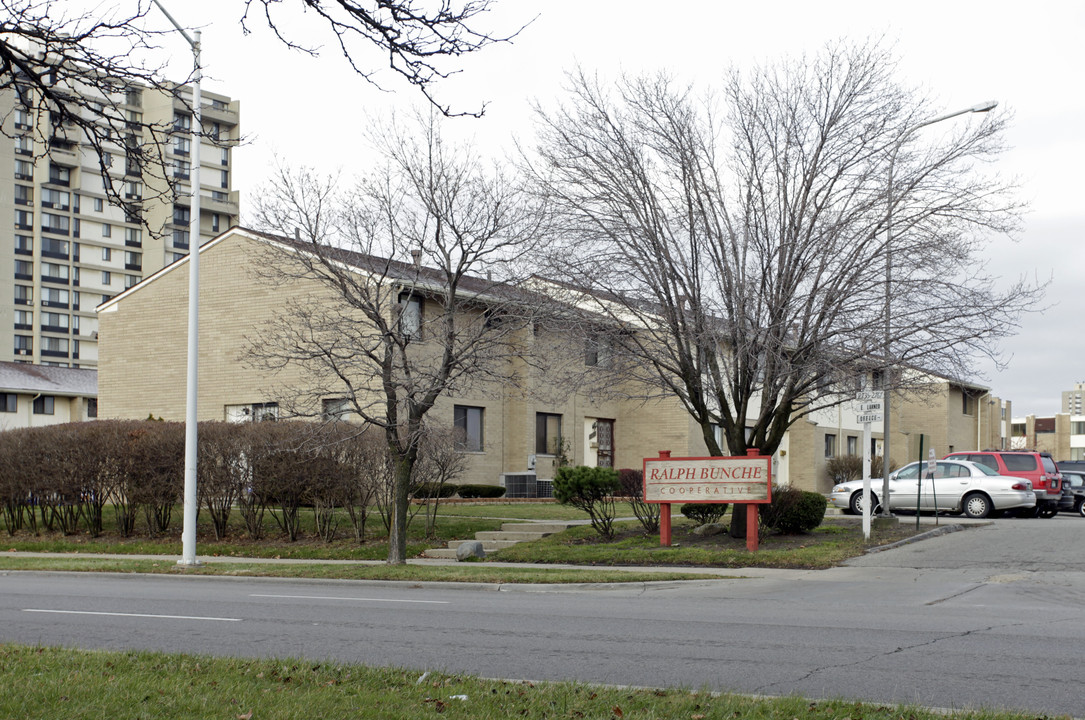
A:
(1027, 56)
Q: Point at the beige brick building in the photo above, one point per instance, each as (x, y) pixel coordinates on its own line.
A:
(143, 364)
(1062, 435)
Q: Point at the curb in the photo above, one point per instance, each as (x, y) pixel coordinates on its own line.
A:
(916, 538)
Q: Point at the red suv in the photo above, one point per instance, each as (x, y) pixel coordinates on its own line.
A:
(1038, 467)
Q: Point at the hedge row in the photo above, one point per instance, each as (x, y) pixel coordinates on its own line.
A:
(61, 477)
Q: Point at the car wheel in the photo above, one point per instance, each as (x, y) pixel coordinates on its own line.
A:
(1048, 511)
(855, 505)
(1079, 508)
(976, 506)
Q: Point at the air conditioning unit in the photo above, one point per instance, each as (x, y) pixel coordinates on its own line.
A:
(22, 351)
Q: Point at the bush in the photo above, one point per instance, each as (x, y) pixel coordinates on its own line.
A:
(481, 491)
(592, 490)
(632, 483)
(434, 490)
(704, 513)
(793, 511)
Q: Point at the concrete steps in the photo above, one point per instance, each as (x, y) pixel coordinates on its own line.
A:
(509, 534)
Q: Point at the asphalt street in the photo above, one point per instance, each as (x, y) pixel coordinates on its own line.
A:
(986, 617)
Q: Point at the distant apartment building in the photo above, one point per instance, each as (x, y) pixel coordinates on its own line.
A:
(1073, 401)
(1062, 435)
(65, 248)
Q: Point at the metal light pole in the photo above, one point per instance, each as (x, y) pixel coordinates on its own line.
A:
(980, 108)
(188, 532)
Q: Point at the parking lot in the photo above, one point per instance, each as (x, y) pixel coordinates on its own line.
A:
(1003, 545)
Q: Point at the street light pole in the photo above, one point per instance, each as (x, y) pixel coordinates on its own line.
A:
(980, 108)
(188, 532)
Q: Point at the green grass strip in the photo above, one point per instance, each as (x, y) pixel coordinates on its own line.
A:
(48, 683)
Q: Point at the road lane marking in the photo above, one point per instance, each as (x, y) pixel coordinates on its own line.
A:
(356, 599)
(116, 614)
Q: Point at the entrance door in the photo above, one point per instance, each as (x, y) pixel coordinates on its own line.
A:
(605, 437)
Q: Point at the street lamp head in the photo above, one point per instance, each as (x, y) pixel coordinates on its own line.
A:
(984, 106)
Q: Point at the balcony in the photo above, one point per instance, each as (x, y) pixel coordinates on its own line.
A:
(215, 204)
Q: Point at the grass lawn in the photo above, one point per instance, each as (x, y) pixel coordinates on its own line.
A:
(50, 683)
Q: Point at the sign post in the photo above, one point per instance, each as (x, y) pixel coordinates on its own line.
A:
(870, 409)
(735, 480)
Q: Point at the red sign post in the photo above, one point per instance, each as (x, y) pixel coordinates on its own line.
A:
(735, 480)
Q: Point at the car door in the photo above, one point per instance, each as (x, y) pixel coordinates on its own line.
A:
(904, 488)
(944, 490)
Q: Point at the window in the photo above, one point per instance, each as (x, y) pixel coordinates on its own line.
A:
(92, 407)
(182, 122)
(24, 195)
(335, 408)
(24, 295)
(52, 247)
(853, 445)
(51, 272)
(1077, 428)
(54, 346)
(98, 207)
(9, 402)
(215, 130)
(225, 179)
(180, 239)
(968, 403)
(596, 354)
(24, 345)
(410, 318)
(225, 156)
(24, 244)
(24, 219)
(24, 270)
(24, 170)
(22, 119)
(107, 254)
(547, 434)
(56, 199)
(133, 237)
(468, 423)
(830, 446)
(181, 145)
(254, 412)
(215, 222)
(181, 215)
(133, 261)
(59, 224)
(130, 280)
(51, 297)
(59, 175)
(182, 168)
(44, 405)
(24, 320)
(54, 322)
(133, 191)
(107, 230)
(107, 277)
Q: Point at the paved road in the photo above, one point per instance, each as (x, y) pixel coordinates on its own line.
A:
(984, 617)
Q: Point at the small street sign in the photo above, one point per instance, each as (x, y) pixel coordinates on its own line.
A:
(868, 395)
(868, 418)
(868, 407)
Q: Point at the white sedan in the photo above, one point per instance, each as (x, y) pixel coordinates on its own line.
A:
(958, 486)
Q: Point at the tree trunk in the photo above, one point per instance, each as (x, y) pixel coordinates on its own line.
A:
(397, 536)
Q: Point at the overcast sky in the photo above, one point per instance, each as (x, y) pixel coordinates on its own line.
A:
(1027, 56)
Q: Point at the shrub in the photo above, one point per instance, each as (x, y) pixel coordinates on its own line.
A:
(704, 513)
(434, 490)
(632, 483)
(481, 491)
(592, 490)
(793, 511)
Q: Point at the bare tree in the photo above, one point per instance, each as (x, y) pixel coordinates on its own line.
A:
(418, 263)
(418, 41)
(742, 241)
